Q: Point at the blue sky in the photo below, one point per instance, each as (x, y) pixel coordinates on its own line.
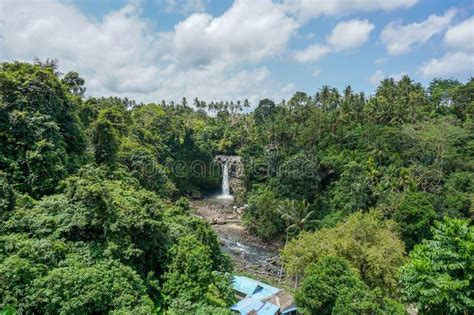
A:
(223, 49)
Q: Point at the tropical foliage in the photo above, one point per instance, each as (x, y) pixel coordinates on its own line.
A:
(88, 225)
(332, 287)
(94, 215)
(439, 276)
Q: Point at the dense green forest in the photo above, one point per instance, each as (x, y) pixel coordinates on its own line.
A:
(373, 197)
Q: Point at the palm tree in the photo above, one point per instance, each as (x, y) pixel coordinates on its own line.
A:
(322, 97)
(348, 93)
(297, 216)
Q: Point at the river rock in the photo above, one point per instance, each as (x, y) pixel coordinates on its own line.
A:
(196, 194)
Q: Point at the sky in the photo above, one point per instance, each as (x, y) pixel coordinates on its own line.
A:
(151, 50)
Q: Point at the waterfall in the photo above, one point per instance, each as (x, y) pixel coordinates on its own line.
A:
(229, 167)
(225, 180)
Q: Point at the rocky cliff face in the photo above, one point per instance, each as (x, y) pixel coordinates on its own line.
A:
(236, 176)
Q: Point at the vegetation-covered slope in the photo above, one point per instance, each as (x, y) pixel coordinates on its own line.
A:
(88, 225)
(93, 222)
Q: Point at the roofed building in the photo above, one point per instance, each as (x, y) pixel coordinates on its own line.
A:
(261, 299)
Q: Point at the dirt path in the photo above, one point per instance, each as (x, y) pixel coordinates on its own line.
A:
(250, 255)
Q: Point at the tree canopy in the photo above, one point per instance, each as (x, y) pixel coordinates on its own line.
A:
(90, 219)
(439, 276)
(332, 287)
(370, 244)
(95, 217)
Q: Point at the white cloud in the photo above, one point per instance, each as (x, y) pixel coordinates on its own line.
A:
(461, 36)
(316, 72)
(121, 55)
(398, 76)
(380, 60)
(399, 38)
(118, 53)
(289, 88)
(219, 82)
(350, 34)
(345, 35)
(184, 6)
(379, 76)
(248, 31)
(307, 9)
(311, 53)
(458, 63)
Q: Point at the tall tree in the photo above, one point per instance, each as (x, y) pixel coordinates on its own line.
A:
(105, 141)
(439, 278)
(74, 83)
(330, 286)
(369, 243)
(296, 215)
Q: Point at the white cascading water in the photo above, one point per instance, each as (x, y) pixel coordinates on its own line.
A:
(225, 180)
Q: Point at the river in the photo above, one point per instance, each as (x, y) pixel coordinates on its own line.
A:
(249, 254)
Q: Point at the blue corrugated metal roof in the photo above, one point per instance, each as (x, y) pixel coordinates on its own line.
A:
(249, 286)
(254, 306)
(247, 305)
(255, 291)
(263, 293)
(268, 309)
(245, 285)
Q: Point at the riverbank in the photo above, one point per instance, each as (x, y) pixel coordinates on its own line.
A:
(250, 255)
